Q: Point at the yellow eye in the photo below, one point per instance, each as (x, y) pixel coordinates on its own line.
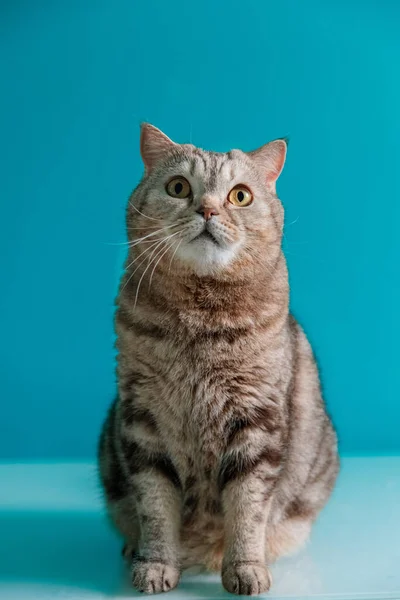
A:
(240, 196)
(178, 187)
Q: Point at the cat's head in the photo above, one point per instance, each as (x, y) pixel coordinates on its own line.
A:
(212, 209)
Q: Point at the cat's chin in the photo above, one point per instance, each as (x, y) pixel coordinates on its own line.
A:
(205, 256)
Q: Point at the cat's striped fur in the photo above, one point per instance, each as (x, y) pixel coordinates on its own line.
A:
(218, 450)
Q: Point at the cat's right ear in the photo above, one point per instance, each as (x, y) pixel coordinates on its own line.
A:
(154, 144)
(270, 158)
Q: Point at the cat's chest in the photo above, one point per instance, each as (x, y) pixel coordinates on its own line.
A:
(201, 389)
(198, 416)
(200, 410)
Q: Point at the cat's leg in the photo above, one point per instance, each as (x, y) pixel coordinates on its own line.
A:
(119, 497)
(158, 501)
(247, 479)
(156, 566)
(292, 530)
(144, 498)
(287, 536)
(295, 513)
(149, 519)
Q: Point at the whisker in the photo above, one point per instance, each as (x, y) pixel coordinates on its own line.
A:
(152, 244)
(144, 273)
(175, 251)
(293, 222)
(154, 226)
(157, 244)
(140, 213)
(141, 262)
(143, 227)
(131, 243)
(147, 268)
(154, 268)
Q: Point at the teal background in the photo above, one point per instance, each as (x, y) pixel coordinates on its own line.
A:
(76, 80)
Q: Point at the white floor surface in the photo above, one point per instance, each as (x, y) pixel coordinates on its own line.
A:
(55, 542)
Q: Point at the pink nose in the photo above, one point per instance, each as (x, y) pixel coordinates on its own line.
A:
(207, 212)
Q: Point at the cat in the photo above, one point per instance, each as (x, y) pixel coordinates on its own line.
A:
(218, 450)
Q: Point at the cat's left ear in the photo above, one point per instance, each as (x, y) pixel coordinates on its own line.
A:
(154, 144)
(270, 158)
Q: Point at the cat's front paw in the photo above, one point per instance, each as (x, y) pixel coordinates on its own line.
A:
(154, 577)
(246, 578)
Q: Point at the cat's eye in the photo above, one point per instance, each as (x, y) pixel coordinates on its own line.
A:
(179, 187)
(240, 195)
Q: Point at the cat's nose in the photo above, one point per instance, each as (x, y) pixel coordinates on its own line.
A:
(207, 212)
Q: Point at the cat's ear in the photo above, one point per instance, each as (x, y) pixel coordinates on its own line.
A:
(154, 144)
(270, 158)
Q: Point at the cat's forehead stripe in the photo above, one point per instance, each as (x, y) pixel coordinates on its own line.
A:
(201, 163)
(211, 167)
(213, 173)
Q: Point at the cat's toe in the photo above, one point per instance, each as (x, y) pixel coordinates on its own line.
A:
(247, 579)
(154, 577)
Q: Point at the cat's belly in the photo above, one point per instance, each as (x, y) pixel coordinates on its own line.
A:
(202, 521)
(202, 527)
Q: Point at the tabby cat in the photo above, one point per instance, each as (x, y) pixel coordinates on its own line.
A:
(218, 451)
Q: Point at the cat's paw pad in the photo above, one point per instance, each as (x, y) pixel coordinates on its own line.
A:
(247, 578)
(154, 577)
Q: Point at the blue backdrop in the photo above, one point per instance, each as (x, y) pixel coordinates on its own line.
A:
(77, 78)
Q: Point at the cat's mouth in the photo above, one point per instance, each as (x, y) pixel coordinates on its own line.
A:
(206, 235)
